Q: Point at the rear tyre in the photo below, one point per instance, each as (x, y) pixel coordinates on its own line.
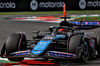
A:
(16, 42)
(98, 44)
(75, 46)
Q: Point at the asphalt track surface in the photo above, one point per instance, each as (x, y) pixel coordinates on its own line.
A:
(8, 26)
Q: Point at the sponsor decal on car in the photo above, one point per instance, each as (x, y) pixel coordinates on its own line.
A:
(20, 53)
(60, 54)
(40, 47)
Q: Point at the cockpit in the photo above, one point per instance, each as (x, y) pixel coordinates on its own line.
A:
(62, 30)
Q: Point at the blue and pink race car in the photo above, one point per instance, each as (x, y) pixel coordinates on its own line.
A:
(63, 42)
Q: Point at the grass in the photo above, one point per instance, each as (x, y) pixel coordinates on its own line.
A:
(50, 12)
(29, 13)
(2, 61)
(88, 18)
(59, 12)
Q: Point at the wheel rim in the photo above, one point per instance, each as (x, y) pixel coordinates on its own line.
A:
(85, 48)
(85, 51)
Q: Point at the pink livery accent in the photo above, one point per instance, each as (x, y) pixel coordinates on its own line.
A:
(20, 41)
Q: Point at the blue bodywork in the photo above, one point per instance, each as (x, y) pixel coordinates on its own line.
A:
(86, 23)
(40, 47)
(60, 54)
(43, 44)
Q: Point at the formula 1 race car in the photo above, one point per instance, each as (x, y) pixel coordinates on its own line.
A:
(63, 42)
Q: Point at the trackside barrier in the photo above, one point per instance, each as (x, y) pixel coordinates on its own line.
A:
(48, 5)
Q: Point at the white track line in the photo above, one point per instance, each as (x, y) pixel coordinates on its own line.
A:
(5, 59)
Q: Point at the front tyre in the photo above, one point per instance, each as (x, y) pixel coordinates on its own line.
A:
(16, 42)
(79, 47)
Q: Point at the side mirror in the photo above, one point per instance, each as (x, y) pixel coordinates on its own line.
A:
(51, 29)
(36, 32)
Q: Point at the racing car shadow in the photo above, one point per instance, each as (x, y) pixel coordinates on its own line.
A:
(33, 63)
(93, 61)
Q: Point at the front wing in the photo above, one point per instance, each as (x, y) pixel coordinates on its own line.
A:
(48, 54)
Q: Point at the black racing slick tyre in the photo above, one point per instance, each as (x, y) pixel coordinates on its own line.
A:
(74, 42)
(79, 47)
(16, 42)
(98, 44)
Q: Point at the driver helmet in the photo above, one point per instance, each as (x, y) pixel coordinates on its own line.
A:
(61, 31)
